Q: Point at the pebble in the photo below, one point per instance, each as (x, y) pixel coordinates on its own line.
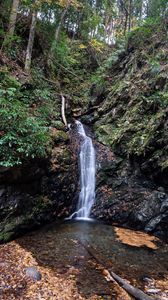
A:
(147, 279)
(33, 273)
(153, 291)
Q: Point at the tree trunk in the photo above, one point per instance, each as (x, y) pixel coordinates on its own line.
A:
(126, 15)
(30, 42)
(57, 32)
(147, 9)
(126, 21)
(130, 15)
(13, 16)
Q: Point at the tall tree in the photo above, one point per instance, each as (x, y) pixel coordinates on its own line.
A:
(130, 15)
(31, 41)
(13, 16)
(65, 4)
(58, 29)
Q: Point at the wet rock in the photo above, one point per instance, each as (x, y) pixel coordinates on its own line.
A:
(147, 279)
(153, 223)
(147, 209)
(2, 192)
(125, 196)
(33, 273)
(161, 189)
(153, 291)
(164, 206)
(38, 192)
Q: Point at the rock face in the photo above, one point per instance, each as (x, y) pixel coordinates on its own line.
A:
(125, 196)
(38, 192)
(131, 121)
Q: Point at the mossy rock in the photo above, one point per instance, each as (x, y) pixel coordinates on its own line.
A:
(6, 236)
(41, 203)
(59, 136)
(104, 134)
(58, 124)
(10, 226)
(65, 157)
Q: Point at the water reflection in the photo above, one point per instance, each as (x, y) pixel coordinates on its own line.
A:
(64, 249)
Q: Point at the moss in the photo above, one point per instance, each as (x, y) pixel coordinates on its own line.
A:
(164, 163)
(6, 236)
(138, 126)
(137, 133)
(64, 158)
(143, 36)
(57, 124)
(132, 118)
(59, 136)
(40, 205)
(10, 226)
(62, 137)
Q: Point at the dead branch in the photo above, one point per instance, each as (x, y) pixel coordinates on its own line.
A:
(63, 110)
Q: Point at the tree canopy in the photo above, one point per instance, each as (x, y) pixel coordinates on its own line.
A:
(68, 42)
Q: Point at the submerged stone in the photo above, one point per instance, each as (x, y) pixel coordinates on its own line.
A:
(33, 273)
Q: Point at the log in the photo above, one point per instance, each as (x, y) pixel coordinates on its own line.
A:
(112, 276)
(130, 289)
(62, 98)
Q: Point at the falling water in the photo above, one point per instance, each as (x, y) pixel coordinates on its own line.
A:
(87, 175)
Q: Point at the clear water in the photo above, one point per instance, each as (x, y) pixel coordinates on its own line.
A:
(87, 175)
(58, 247)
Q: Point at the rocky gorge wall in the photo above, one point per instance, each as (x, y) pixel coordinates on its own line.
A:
(127, 197)
(38, 192)
(130, 120)
(46, 190)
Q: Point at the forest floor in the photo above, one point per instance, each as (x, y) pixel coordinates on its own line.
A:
(73, 274)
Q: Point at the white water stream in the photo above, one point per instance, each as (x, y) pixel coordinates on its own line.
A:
(87, 175)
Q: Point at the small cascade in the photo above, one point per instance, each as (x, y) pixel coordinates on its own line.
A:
(87, 175)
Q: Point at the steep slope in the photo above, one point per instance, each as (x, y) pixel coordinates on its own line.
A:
(134, 114)
(38, 169)
(128, 111)
(35, 154)
(131, 120)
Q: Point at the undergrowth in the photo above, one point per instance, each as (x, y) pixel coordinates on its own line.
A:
(25, 119)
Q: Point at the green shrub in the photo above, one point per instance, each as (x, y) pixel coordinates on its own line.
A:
(142, 34)
(22, 135)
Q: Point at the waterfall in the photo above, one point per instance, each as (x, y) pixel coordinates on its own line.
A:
(87, 175)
